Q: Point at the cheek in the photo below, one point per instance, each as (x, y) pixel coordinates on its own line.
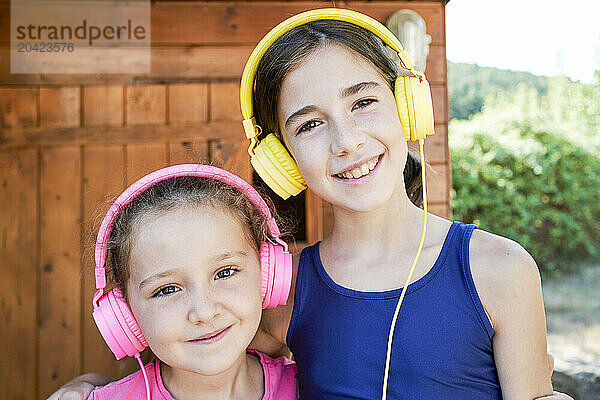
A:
(311, 154)
(248, 304)
(156, 320)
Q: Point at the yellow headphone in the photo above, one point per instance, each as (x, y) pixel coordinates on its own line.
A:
(269, 157)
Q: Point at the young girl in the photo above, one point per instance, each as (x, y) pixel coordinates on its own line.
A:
(472, 322)
(188, 249)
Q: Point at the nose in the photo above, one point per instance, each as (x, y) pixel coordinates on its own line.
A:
(203, 307)
(346, 136)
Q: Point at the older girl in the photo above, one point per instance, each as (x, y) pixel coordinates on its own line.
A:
(472, 322)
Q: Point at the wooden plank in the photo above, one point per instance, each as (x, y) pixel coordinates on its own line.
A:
(5, 21)
(225, 102)
(59, 107)
(314, 217)
(145, 158)
(440, 209)
(440, 104)
(180, 64)
(239, 162)
(168, 64)
(103, 181)
(19, 230)
(103, 105)
(436, 68)
(219, 151)
(60, 268)
(438, 190)
(18, 107)
(188, 103)
(118, 135)
(430, 11)
(186, 152)
(436, 146)
(237, 23)
(200, 62)
(146, 104)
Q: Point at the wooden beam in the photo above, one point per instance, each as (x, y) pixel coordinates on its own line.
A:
(212, 40)
(10, 138)
(60, 268)
(19, 287)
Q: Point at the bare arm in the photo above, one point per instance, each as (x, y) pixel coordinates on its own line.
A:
(508, 283)
(80, 388)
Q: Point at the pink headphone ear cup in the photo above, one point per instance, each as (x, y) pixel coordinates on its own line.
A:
(283, 276)
(287, 277)
(279, 264)
(266, 271)
(277, 277)
(104, 318)
(118, 326)
(131, 327)
(274, 288)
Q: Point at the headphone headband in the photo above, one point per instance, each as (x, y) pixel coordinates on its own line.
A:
(196, 170)
(356, 18)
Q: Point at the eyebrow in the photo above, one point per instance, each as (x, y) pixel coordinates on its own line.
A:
(229, 254)
(215, 259)
(359, 87)
(156, 277)
(349, 91)
(300, 113)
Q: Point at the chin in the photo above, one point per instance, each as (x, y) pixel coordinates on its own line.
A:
(371, 201)
(206, 366)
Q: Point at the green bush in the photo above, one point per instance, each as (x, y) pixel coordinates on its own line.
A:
(547, 199)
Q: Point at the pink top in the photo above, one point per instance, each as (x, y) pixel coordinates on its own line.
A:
(280, 382)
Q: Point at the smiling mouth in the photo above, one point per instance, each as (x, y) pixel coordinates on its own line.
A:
(360, 170)
(211, 337)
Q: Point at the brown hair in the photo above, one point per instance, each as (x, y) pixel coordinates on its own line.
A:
(169, 195)
(292, 48)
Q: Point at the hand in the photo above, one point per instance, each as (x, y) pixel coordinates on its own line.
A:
(555, 395)
(80, 387)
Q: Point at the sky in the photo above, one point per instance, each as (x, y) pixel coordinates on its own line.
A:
(545, 37)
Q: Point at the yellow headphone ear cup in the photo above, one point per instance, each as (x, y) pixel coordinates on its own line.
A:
(277, 168)
(400, 92)
(423, 108)
(415, 108)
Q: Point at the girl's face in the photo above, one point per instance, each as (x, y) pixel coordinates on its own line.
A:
(338, 118)
(194, 288)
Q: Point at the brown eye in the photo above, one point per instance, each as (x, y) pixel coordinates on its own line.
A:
(363, 103)
(309, 126)
(226, 273)
(166, 291)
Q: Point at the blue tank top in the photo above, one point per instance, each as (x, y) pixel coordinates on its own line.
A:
(442, 345)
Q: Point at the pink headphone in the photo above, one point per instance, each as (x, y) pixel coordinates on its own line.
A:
(113, 317)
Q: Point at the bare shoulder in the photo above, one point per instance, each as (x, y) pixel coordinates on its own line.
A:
(503, 271)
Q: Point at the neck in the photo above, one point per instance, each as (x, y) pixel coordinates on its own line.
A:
(243, 380)
(394, 227)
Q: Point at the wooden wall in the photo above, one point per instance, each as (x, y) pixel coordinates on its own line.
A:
(68, 143)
